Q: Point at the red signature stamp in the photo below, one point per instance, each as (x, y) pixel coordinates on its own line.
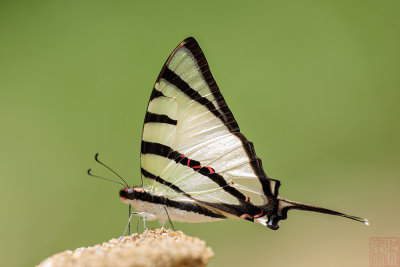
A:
(384, 251)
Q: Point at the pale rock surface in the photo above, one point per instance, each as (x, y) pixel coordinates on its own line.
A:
(155, 247)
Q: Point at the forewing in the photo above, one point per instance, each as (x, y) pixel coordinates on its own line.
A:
(191, 146)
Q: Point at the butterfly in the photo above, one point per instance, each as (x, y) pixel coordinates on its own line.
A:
(196, 165)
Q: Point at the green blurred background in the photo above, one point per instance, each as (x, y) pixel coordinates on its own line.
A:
(322, 76)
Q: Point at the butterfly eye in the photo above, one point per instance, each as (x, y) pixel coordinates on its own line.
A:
(130, 190)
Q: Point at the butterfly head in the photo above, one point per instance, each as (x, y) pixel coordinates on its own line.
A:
(130, 193)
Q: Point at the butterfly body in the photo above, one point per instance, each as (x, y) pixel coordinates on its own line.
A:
(156, 207)
(195, 163)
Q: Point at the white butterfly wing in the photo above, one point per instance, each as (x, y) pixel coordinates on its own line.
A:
(192, 147)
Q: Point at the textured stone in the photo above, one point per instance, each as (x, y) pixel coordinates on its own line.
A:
(155, 247)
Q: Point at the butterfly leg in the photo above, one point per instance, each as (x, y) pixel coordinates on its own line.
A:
(143, 218)
(129, 220)
(128, 224)
(170, 221)
(144, 223)
(127, 227)
(137, 226)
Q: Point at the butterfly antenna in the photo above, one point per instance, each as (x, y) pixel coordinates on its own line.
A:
(96, 157)
(106, 179)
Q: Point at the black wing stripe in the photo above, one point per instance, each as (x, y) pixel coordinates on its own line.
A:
(159, 149)
(181, 205)
(167, 152)
(172, 78)
(155, 94)
(161, 118)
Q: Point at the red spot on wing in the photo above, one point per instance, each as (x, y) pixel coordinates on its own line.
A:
(259, 215)
(210, 169)
(247, 199)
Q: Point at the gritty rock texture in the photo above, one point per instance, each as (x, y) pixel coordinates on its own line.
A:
(155, 247)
